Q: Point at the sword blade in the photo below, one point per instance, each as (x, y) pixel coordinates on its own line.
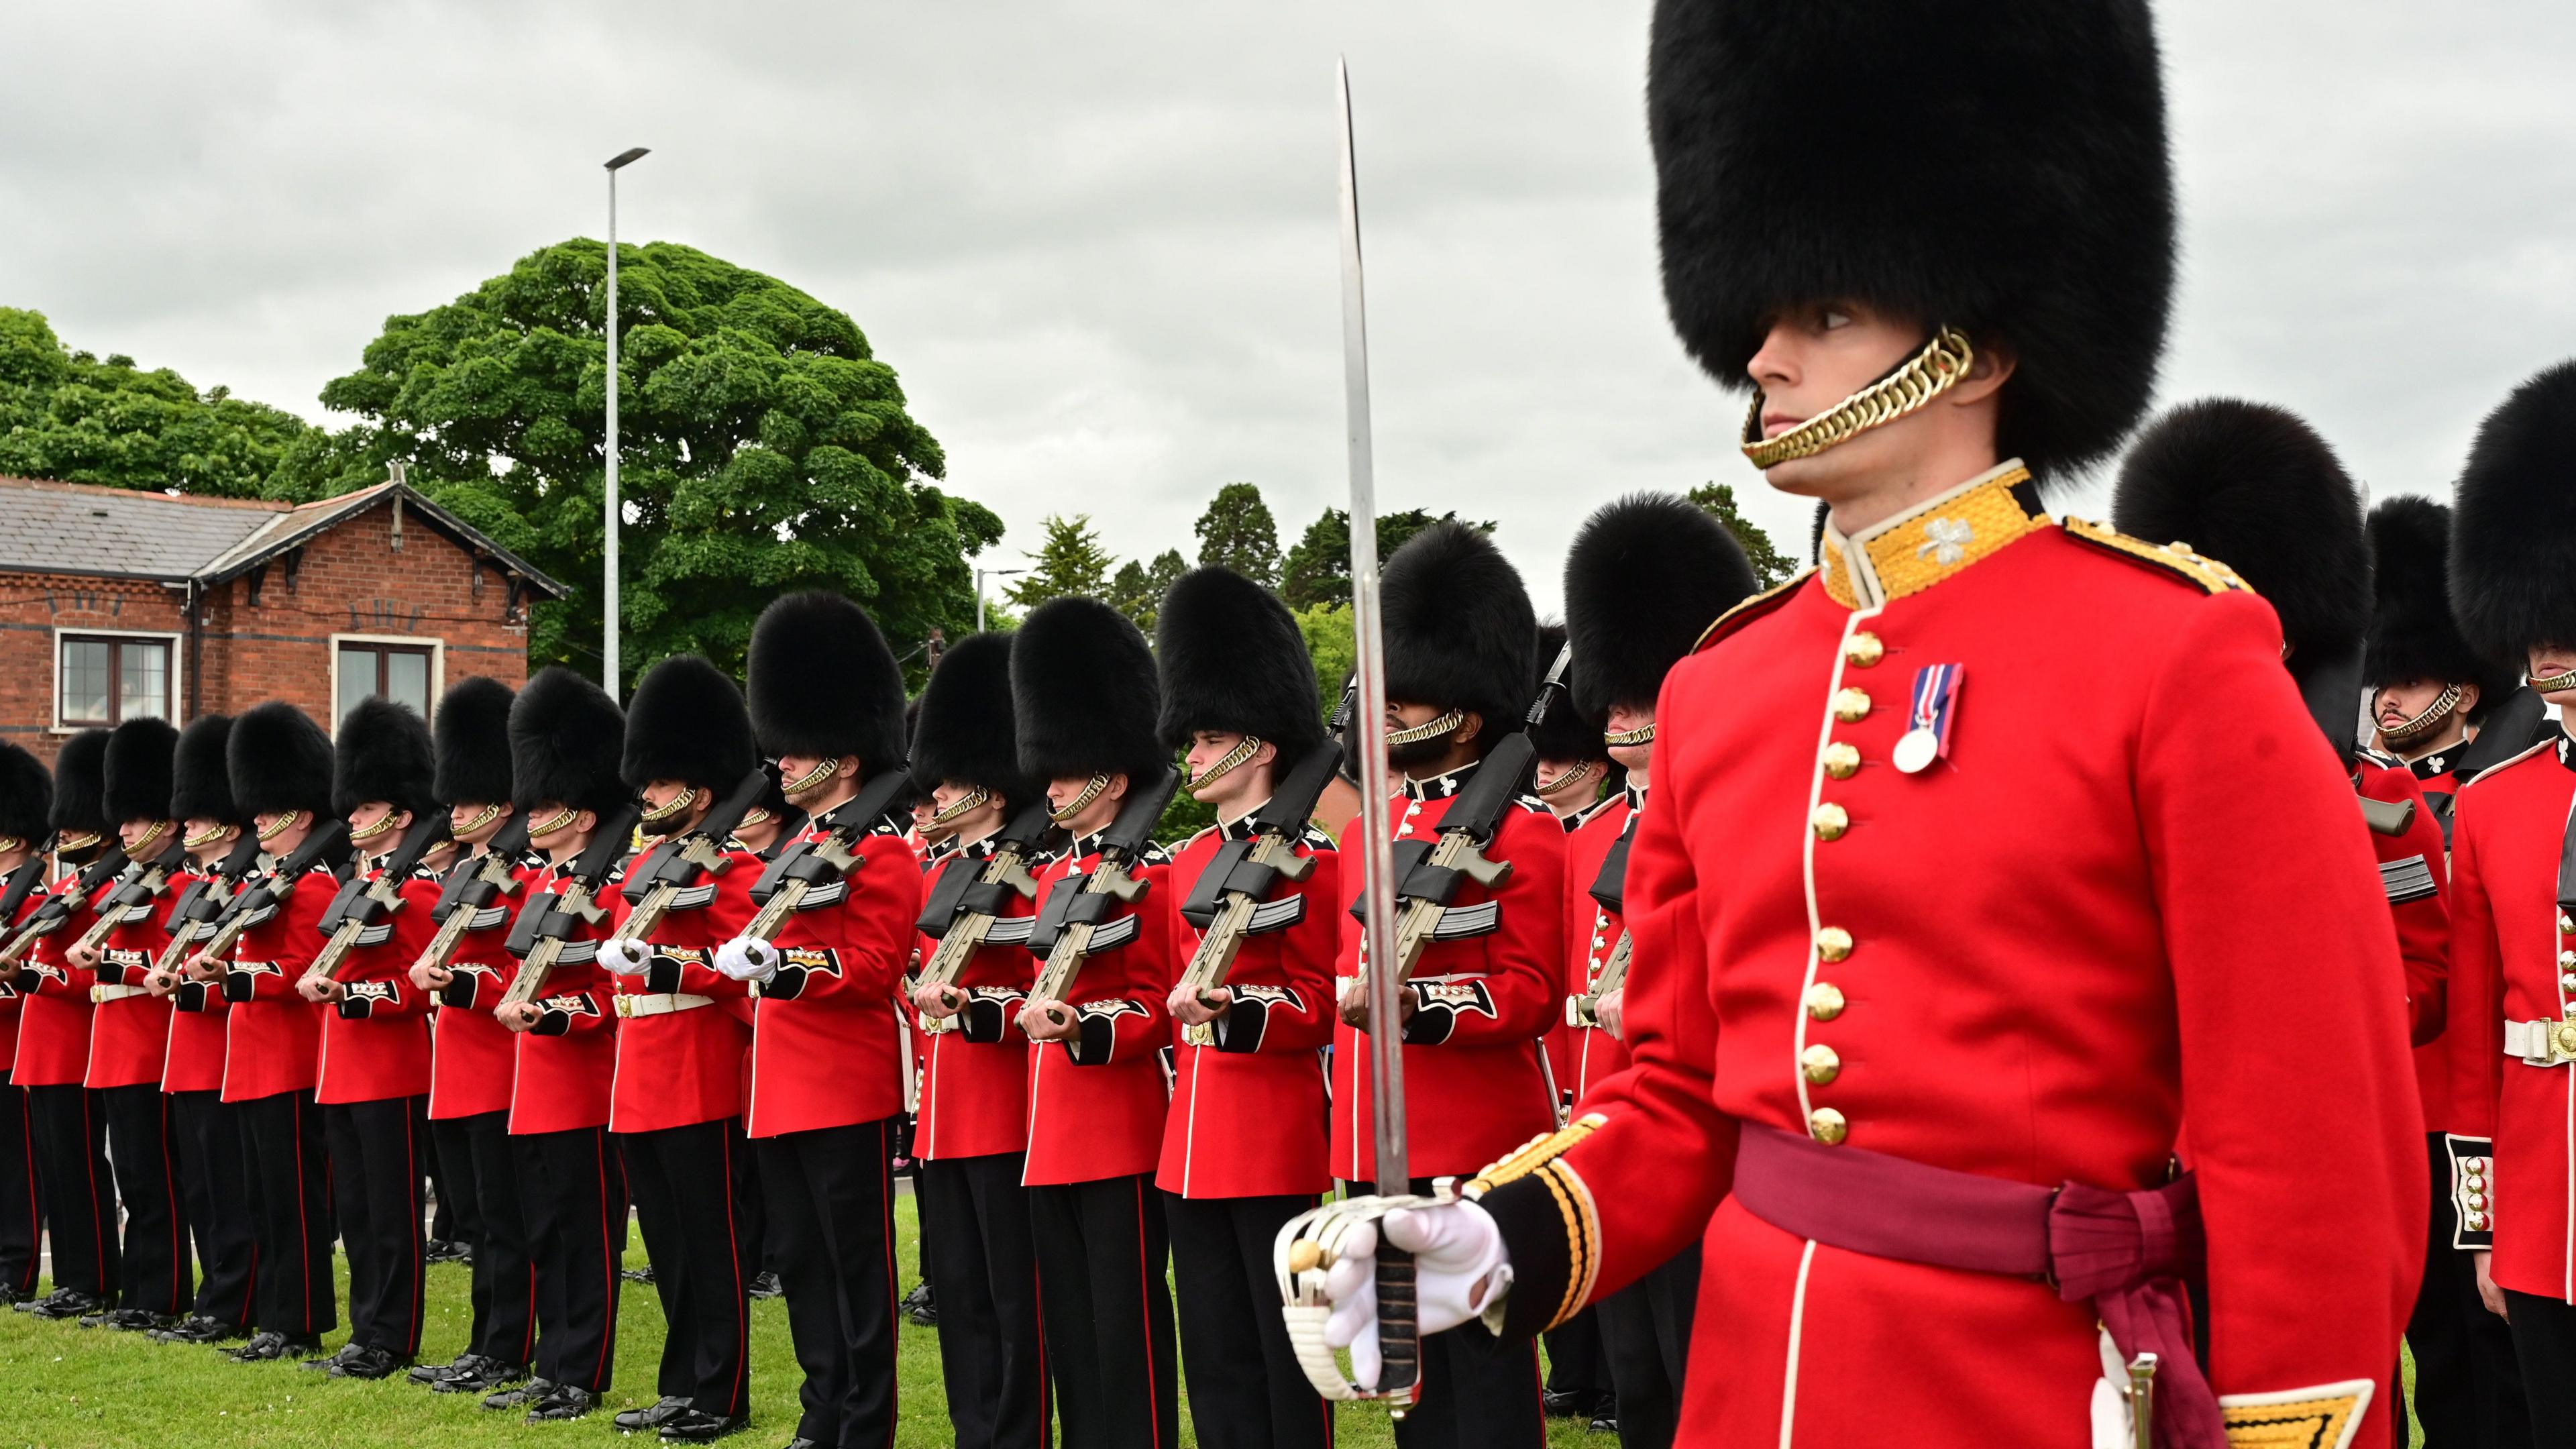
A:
(1377, 846)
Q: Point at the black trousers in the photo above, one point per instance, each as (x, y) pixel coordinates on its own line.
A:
(1246, 1390)
(450, 1221)
(214, 1188)
(831, 1211)
(1645, 1332)
(1107, 1311)
(375, 1184)
(481, 1177)
(682, 1178)
(75, 1186)
(992, 1355)
(22, 1217)
(155, 1272)
(2544, 1344)
(288, 1168)
(1478, 1392)
(1575, 1364)
(573, 1189)
(751, 1211)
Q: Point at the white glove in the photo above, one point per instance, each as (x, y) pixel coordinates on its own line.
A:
(747, 958)
(1459, 1268)
(625, 958)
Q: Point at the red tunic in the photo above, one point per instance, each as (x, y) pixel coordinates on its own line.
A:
(273, 1037)
(825, 1048)
(566, 1062)
(975, 1079)
(2439, 786)
(2415, 876)
(54, 1024)
(11, 1003)
(2135, 876)
(375, 1042)
(683, 1067)
(1592, 933)
(195, 1062)
(129, 1035)
(1475, 1086)
(2507, 933)
(473, 1057)
(1096, 1100)
(1248, 1117)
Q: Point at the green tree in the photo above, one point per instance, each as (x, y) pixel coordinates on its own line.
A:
(1333, 645)
(67, 415)
(1138, 590)
(764, 447)
(1318, 569)
(1070, 561)
(1770, 566)
(1237, 532)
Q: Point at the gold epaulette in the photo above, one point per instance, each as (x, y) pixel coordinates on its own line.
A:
(2175, 558)
(1751, 609)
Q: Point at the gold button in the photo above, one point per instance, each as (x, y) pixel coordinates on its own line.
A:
(1830, 820)
(1821, 1063)
(2567, 958)
(1827, 1126)
(1833, 943)
(2564, 923)
(1824, 1001)
(1851, 705)
(1841, 760)
(1864, 649)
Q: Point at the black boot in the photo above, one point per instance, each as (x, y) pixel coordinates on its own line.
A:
(697, 1426)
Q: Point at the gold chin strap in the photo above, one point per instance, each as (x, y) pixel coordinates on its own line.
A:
(756, 815)
(200, 842)
(2434, 713)
(1428, 730)
(562, 817)
(965, 804)
(1090, 792)
(1233, 761)
(1583, 770)
(1643, 734)
(384, 823)
(150, 838)
(2555, 684)
(279, 828)
(680, 805)
(1930, 373)
(821, 772)
(9, 843)
(490, 813)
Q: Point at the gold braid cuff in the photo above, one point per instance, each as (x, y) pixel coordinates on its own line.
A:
(2416, 728)
(1538, 1160)
(965, 803)
(1233, 761)
(1927, 375)
(1428, 729)
(1090, 792)
(2555, 684)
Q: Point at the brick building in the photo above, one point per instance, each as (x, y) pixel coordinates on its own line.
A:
(116, 603)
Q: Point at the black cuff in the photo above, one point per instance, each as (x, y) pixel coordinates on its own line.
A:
(1241, 1028)
(1536, 1241)
(1094, 1040)
(237, 986)
(1431, 1022)
(661, 975)
(787, 985)
(551, 1023)
(461, 990)
(2472, 1191)
(191, 996)
(987, 1013)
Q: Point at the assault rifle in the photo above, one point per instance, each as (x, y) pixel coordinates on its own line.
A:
(260, 899)
(1610, 891)
(193, 916)
(668, 877)
(23, 882)
(542, 935)
(362, 913)
(966, 906)
(93, 880)
(817, 865)
(135, 891)
(1071, 919)
(1232, 893)
(465, 897)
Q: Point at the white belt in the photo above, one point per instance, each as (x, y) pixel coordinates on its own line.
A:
(101, 995)
(2541, 1043)
(661, 1004)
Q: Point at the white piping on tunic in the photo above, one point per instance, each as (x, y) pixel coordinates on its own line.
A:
(1797, 1331)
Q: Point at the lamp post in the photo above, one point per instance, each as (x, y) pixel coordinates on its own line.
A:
(608, 610)
(980, 576)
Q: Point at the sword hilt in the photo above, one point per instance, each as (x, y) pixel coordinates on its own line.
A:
(1399, 1327)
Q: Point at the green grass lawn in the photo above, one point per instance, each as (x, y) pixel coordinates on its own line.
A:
(64, 1387)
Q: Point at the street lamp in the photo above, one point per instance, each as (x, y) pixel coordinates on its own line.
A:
(980, 576)
(608, 613)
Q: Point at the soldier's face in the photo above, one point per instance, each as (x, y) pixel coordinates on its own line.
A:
(1212, 748)
(374, 812)
(1817, 355)
(985, 815)
(795, 769)
(1096, 815)
(136, 835)
(1439, 749)
(460, 816)
(2548, 661)
(2398, 703)
(1622, 719)
(576, 823)
(218, 835)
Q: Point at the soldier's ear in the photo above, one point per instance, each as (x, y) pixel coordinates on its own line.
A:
(1267, 754)
(586, 821)
(2468, 699)
(1471, 727)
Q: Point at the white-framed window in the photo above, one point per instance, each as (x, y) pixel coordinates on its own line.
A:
(402, 668)
(107, 676)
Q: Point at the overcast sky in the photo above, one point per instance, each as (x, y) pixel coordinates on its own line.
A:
(1098, 239)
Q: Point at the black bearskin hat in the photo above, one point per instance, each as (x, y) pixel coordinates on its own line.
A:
(80, 786)
(136, 782)
(384, 754)
(1233, 659)
(472, 735)
(2255, 488)
(1083, 694)
(566, 737)
(964, 731)
(279, 761)
(26, 797)
(821, 681)
(686, 722)
(1997, 166)
(202, 789)
(2513, 528)
(2412, 632)
(1567, 731)
(1645, 578)
(1460, 633)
